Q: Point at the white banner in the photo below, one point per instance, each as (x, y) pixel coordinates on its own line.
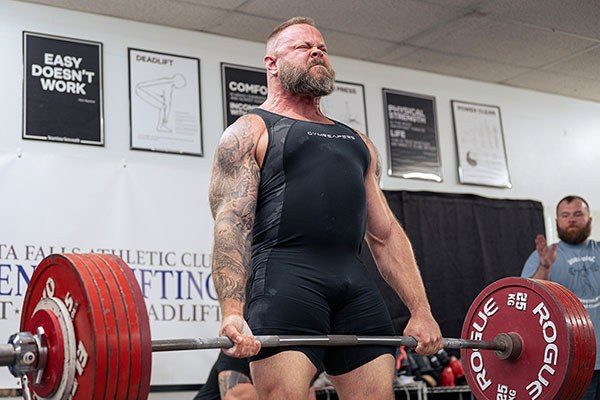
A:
(156, 218)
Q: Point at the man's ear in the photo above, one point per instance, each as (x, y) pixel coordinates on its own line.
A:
(271, 65)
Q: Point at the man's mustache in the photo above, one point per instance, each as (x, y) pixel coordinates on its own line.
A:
(317, 62)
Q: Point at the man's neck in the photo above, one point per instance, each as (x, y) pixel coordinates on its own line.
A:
(295, 106)
(584, 243)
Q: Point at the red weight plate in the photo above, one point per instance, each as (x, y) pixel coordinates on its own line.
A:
(571, 389)
(528, 309)
(590, 350)
(109, 303)
(586, 353)
(128, 327)
(136, 302)
(588, 345)
(588, 341)
(581, 376)
(571, 313)
(103, 359)
(54, 341)
(60, 277)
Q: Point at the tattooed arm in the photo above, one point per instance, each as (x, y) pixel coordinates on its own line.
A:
(234, 385)
(232, 196)
(395, 259)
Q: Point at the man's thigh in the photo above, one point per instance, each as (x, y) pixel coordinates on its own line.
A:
(370, 381)
(285, 375)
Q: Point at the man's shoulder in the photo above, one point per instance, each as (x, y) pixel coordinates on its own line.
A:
(246, 128)
(590, 243)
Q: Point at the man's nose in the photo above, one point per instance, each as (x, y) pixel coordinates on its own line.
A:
(316, 53)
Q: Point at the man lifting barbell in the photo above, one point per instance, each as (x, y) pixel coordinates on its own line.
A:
(293, 195)
(85, 335)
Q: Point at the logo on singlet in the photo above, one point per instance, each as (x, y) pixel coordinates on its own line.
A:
(330, 136)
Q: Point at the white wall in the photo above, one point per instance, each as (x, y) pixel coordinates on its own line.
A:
(552, 142)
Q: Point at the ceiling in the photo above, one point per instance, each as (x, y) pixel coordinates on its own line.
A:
(547, 45)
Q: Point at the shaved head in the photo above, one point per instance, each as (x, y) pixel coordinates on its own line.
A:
(274, 35)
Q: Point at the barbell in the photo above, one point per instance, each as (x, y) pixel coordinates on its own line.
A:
(85, 334)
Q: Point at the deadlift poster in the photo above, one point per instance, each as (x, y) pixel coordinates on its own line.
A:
(62, 89)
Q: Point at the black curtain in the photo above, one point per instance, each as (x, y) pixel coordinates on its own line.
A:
(462, 243)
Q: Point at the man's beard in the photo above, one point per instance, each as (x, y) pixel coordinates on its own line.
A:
(575, 236)
(298, 80)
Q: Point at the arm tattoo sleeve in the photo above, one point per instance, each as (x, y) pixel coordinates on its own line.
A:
(232, 197)
(229, 379)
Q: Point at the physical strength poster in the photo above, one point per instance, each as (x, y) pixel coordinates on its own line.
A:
(62, 89)
(480, 144)
(411, 126)
(164, 101)
(347, 104)
(244, 88)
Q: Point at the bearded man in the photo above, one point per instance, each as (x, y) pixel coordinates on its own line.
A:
(294, 194)
(574, 262)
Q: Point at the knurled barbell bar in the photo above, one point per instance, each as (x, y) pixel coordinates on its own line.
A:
(85, 334)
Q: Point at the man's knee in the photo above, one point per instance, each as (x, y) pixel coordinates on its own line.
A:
(282, 391)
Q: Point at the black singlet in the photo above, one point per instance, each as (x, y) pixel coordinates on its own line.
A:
(306, 277)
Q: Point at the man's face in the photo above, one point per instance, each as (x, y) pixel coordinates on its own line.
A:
(573, 222)
(304, 67)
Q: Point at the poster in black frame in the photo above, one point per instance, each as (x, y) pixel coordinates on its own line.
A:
(165, 108)
(62, 89)
(243, 88)
(412, 139)
(480, 146)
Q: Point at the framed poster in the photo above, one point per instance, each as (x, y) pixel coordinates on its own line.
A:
(347, 104)
(62, 89)
(480, 144)
(244, 88)
(411, 126)
(164, 103)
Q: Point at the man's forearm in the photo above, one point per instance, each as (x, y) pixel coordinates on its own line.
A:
(235, 385)
(542, 273)
(230, 264)
(396, 263)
